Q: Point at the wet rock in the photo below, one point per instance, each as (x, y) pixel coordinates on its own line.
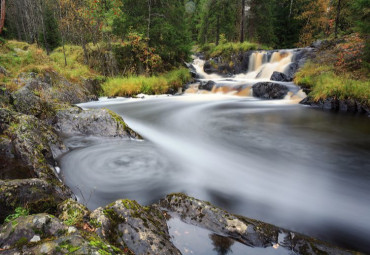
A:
(97, 122)
(205, 215)
(33, 142)
(207, 85)
(277, 76)
(36, 194)
(142, 229)
(291, 70)
(45, 234)
(269, 90)
(248, 231)
(334, 104)
(209, 68)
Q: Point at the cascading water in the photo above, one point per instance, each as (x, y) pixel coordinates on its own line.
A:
(261, 66)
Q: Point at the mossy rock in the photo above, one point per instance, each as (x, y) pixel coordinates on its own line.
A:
(130, 225)
(35, 194)
(45, 234)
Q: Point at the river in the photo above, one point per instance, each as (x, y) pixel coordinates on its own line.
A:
(274, 160)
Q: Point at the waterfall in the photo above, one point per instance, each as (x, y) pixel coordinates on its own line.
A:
(261, 66)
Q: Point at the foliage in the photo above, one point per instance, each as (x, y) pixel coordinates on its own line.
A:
(134, 55)
(350, 53)
(226, 49)
(133, 85)
(19, 211)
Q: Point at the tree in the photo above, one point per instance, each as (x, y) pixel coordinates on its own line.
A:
(315, 16)
(2, 15)
(261, 22)
(162, 21)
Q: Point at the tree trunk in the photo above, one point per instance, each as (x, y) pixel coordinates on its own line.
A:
(242, 23)
(337, 19)
(290, 9)
(2, 20)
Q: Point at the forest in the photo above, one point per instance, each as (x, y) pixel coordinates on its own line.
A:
(164, 31)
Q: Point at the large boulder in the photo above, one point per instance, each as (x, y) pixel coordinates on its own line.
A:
(96, 122)
(142, 229)
(207, 85)
(45, 234)
(33, 141)
(36, 194)
(269, 90)
(248, 231)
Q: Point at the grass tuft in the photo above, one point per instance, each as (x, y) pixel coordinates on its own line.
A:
(133, 85)
(324, 83)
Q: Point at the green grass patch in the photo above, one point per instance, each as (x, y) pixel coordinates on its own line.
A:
(20, 57)
(324, 83)
(227, 49)
(154, 85)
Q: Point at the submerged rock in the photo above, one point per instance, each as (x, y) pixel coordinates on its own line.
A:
(248, 231)
(142, 229)
(97, 122)
(269, 90)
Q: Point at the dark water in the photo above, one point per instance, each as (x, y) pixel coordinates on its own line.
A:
(293, 166)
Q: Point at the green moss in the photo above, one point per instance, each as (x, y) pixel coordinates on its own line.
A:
(21, 242)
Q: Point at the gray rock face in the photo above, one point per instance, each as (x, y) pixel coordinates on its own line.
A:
(277, 76)
(37, 194)
(45, 234)
(97, 122)
(248, 231)
(142, 229)
(269, 90)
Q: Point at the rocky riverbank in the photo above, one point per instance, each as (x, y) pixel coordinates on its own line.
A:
(33, 122)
